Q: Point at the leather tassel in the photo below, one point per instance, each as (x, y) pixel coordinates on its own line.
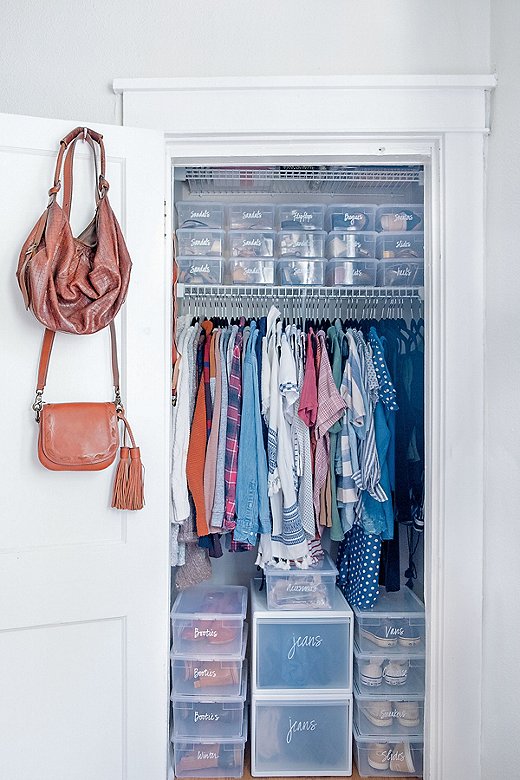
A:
(121, 479)
(129, 482)
(135, 486)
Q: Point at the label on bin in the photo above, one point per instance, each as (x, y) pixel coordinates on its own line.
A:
(296, 726)
(205, 716)
(308, 640)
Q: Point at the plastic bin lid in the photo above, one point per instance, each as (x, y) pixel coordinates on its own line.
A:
(195, 655)
(211, 602)
(212, 698)
(374, 655)
(417, 740)
(324, 566)
(402, 603)
(206, 740)
(397, 696)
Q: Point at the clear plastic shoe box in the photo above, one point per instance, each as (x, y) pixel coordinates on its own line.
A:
(394, 625)
(295, 271)
(351, 217)
(351, 273)
(393, 757)
(200, 214)
(207, 620)
(294, 588)
(377, 673)
(200, 270)
(191, 241)
(200, 674)
(400, 273)
(400, 245)
(301, 653)
(301, 243)
(206, 757)
(251, 216)
(247, 270)
(297, 216)
(388, 716)
(342, 244)
(217, 717)
(251, 243)
(400, 218)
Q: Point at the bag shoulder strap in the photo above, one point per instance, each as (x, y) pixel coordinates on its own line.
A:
(43, 367)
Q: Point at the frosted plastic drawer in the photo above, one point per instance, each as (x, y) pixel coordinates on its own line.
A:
(200, 270)
(251, 243)
(301, 243)
(244, 270)
(400, 273)
(360, 273)
(298, 216)
(208, 620)
(401, 245)
(394, 625)
(294, 588)
(400, 218)
(208, 676)
(393, 757)
(200, 242)
(198, 214)
(203, 757)
(395, 716)
(303, 654)
(351, 244)
(216, 717)
(351, 217)
(251, 216)
(376, 673)
(295, 271)
(307, 737)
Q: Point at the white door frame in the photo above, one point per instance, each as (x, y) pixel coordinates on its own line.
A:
(443, 120)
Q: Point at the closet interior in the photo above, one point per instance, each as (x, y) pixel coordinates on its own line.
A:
(298, 453)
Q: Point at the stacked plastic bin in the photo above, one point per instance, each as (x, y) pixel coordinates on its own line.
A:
(360, 233)
(301, 673)
(209, 681)
(389, 665)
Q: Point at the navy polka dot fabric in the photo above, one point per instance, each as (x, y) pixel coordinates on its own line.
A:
(358, 561)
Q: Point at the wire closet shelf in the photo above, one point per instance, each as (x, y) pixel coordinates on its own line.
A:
(304, 180)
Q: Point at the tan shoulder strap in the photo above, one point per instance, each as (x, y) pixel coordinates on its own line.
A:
(45, 356)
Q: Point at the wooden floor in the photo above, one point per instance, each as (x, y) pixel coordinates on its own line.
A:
(247, 775)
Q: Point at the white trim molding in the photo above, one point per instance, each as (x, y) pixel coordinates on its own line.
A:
(441, 121)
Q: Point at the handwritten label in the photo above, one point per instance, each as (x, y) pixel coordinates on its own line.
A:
(304, 641)
(299, 726)
(203, 214)
(205, 716)
(301, 216)
(197, 673)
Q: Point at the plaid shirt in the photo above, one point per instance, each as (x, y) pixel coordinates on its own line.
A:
(233, 432)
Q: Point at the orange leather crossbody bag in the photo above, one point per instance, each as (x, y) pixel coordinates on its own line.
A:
(85, 436)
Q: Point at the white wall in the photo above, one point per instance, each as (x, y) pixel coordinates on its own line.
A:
(501, 709)
(58, 59)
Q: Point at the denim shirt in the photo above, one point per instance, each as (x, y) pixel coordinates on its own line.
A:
(251, 498)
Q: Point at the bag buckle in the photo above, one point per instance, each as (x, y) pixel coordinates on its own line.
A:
(118, 401)
(38, 404)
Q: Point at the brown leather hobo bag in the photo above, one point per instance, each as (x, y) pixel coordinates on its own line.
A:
(75, 285)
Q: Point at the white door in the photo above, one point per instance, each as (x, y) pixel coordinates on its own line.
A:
(84, 589)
